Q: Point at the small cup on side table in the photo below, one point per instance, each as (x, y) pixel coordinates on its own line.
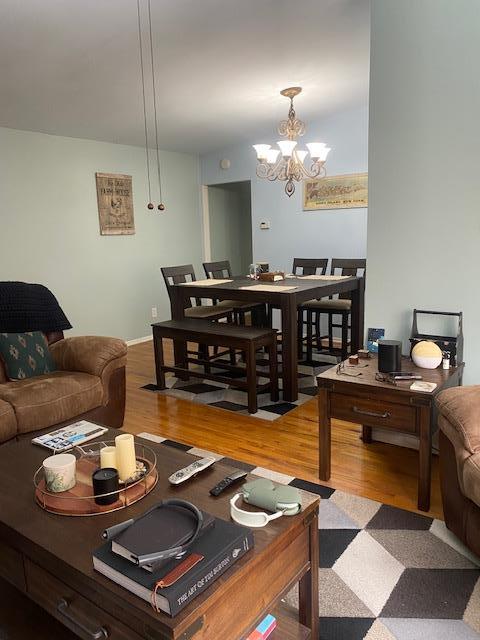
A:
(105, 481)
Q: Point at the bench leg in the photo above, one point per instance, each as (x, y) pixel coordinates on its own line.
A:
(204, 355)
(273, 362)
(251, 369)
(158, 352)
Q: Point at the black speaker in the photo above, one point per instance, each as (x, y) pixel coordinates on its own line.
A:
(389, 356)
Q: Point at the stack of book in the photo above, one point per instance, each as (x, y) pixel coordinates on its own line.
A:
(219, 546)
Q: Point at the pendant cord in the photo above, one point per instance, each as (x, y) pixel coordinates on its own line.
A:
(144, 101)
(154, 100)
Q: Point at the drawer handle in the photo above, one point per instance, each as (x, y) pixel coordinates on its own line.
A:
(372, 414)
(96, 634)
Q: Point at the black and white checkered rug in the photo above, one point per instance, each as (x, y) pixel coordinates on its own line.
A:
(223, 396)
(385, 573)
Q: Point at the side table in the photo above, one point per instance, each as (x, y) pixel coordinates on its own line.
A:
(345, 395)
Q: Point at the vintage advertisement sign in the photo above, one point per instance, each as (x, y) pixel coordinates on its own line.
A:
(336, 192)
(115, 204)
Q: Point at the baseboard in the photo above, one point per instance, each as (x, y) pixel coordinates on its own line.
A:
(138, 340)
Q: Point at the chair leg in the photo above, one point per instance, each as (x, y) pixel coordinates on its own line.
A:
(330, 332)
(317, 331)
(203, 353)
(309, 335)
(251, 370)
(158, 352)
(300, 313)
(344, 336)
(273, 362)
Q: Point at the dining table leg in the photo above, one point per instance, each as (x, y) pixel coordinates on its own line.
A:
(288, 307)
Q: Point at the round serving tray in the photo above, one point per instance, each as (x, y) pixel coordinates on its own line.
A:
(79, 500)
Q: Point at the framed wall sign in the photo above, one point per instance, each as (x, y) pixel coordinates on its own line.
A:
(115, 204)
(336, 192)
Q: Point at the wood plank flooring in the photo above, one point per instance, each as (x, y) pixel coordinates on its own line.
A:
(378, 471)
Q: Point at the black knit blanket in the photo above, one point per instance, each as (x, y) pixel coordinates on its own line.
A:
(30, 307)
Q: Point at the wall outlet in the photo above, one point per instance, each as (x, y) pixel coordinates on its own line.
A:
(265, 224)
(154, 312)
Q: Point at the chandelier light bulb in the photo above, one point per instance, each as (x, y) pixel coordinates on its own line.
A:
(287, 147)
(272, 155)
(261, 150)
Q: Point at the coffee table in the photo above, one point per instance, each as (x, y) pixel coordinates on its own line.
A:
(49, 558)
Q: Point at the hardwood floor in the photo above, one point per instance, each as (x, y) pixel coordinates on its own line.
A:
(378, 471)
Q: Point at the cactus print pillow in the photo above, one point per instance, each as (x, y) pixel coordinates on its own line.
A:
(25, 355)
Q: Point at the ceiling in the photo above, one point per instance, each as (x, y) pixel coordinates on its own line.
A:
(71, 67)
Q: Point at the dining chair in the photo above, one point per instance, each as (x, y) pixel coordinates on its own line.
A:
(195, 308)
(306, 267)
(334, 307)
(222, 269)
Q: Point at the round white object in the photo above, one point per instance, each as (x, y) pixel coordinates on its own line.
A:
(225, 163)
(59, 472)
(427, 355)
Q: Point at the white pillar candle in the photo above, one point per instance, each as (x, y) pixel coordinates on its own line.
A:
(108, 458)
(125, 453)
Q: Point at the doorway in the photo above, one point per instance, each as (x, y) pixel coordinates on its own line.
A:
(228, 224)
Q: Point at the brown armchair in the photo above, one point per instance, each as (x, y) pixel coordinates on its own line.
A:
(459, 422)
(89, 383)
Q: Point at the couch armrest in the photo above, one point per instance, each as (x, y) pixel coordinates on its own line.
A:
(460, 406)
(88, 354)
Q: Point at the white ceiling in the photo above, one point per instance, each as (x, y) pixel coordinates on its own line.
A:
(71, 67)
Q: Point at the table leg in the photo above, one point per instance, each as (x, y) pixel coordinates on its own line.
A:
(324, 435)
(158, 353)
(424, 459)
(366, 434)
(179, 347)
(358, 313)
(308, 585)
(289, 347)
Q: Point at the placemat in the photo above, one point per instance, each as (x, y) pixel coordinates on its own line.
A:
(314, 277)
(210, 282)
(268, 287)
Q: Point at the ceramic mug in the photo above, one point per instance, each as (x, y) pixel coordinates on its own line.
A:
(59, 472)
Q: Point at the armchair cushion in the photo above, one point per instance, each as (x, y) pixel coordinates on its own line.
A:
(460, 406)
(88, 354)
(25, 355)
(50, 399)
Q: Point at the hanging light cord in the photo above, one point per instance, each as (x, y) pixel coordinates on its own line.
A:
(161, 206)
(144, 102)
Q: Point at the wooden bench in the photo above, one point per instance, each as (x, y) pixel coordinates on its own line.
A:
(246, 339)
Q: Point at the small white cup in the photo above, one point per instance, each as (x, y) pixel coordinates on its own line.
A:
(59, 472)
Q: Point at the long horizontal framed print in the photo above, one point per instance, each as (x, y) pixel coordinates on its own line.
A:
(336, 192)
(115, 204)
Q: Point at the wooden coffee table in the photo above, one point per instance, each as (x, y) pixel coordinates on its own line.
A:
(364, 399)
(49, 558)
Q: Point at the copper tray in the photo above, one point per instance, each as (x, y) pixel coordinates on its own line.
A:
(80, 501)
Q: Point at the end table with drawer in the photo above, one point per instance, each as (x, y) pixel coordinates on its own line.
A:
(352, 393)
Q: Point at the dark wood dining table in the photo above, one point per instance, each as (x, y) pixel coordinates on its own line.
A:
(303, 289)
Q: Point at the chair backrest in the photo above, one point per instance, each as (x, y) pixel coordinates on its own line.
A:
(219, 269)
(176, 275)
(309, 266)
(348, 267)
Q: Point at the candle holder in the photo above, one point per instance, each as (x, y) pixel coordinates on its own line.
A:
(83, 498)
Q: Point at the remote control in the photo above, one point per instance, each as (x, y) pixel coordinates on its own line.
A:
(184, 474)
(227, 482)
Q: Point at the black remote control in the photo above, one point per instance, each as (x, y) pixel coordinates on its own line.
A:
(227, 482)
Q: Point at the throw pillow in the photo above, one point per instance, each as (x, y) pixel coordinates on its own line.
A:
(25, 355)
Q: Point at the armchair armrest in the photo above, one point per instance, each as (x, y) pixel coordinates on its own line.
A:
(88, 354)
(460, 408)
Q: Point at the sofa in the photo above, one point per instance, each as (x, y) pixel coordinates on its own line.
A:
(89, 383)
(459, 422)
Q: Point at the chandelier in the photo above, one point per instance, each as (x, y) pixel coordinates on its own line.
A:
(287, 162)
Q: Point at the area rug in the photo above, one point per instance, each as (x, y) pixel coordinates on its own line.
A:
(224, 396)
(385, 573)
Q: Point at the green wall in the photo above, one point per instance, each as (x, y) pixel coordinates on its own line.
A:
(49, 230)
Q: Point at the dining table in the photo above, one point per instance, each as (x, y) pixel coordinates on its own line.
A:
(284, 295)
